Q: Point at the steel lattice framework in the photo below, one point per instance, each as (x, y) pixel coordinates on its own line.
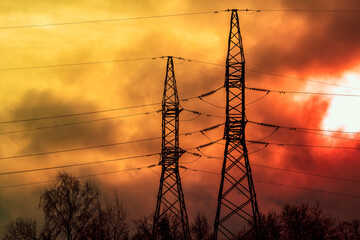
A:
(170, 200)
(237, 206)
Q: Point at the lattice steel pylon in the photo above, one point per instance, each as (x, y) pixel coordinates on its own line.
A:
(170, 199)
(237, 206)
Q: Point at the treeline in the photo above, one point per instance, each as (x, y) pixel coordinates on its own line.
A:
(78, 211)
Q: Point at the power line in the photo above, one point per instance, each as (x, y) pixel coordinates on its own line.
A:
(256, 100)
(295, 10)
(300, 128)
(106, 20)
(204, 114)
(211, 140)
(77, 114)
(312, 10)
(186, 168)
(98, 162)
(202, 154)
(105, 161)
(307, 173)
(77, 164)
(103, 145)
(180, 58)
(302, 145)
(202, 95)
(105, 110)
(76, 123)
(299, 92)
(83, 176)
(195, 160)
(258, 150)
(212, 104)
(102, 161)
(302, 79)
(175, 15)
(198, 170)
(205, 155)
(327, 135)
(308, 131)
(282, 169)
(279, 184)
(76, 64)
(310, 189)
(198, 61)
(273, 74)
(191, 119)
(81, 63)
(269, 135)
(79, 149)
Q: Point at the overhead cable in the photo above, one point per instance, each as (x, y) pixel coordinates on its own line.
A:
(105, 20)
(280, 184)
(276, 74)
(104, 161)
(101, 146)
(300, 128)
(40, 25)
(102, 111)
(299, 92)
(77, 164)
(302, 145)
(283, 169)
(76, 123)
(307, 173)
(82, 176)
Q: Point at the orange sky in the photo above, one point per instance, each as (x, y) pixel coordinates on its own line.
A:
(319, 46)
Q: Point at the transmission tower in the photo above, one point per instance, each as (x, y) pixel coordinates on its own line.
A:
(170, 200)
(237, 207)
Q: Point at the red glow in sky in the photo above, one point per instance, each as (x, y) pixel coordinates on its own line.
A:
(318, 46)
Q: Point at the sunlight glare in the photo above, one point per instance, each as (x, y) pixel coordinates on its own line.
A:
(342, 113)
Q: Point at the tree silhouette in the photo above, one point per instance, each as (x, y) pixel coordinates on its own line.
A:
(271, 226)
(75, 210)
(143, 228)
(294, 222)
(69, 207)
(110, 220)
(169, 228)
(301, 222)
(200, 228)
(349, 230)
(21, 229)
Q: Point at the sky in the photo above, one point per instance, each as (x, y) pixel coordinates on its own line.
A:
(315, 46)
